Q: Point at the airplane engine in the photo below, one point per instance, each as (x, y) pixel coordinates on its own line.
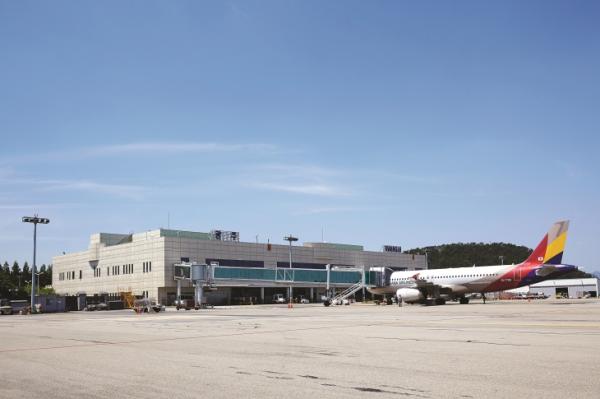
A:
(409, 295)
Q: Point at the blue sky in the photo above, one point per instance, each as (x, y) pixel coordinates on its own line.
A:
(376, 122)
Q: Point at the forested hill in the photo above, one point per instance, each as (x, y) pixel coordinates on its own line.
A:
(469, 254)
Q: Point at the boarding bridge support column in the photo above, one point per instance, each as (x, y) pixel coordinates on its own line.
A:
(199, 291)
(178, 292)
(312, 294)
(328, 267)
(262, 294)
(364, 280)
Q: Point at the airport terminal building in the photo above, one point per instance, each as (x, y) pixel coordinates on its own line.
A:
(143, 264)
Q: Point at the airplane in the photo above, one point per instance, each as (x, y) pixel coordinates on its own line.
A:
(434, 286)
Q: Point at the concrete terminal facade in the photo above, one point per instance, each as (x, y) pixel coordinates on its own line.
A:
(142, 264)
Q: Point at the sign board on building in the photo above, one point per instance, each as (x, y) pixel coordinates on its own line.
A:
(392, 248)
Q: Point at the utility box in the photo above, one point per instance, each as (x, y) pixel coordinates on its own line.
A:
(51, 303)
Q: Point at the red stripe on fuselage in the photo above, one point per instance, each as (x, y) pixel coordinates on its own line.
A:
(513, 278)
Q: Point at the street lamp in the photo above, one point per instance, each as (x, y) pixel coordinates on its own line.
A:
(290, 239)
(37, 278)
(35, 220)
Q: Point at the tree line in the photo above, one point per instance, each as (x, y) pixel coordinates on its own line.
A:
(480, 254)
(15, 281)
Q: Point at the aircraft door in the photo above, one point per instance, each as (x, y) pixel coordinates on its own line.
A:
(517, 274)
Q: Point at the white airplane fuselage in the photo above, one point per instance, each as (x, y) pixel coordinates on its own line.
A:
(464, 280)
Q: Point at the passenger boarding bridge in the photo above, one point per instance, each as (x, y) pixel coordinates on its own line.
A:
(343, 280)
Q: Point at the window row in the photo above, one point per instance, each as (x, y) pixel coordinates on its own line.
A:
(69, 275)
(147, 267)
(110, 270)
(469, 275)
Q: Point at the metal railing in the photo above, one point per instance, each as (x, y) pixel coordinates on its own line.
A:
(346, 293)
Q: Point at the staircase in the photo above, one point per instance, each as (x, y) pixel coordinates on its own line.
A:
(346, 293)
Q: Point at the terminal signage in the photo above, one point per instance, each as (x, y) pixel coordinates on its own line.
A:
(392, 248)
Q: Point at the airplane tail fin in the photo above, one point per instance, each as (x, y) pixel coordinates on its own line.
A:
(550, 250)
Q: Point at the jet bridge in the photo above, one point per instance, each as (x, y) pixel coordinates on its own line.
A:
(201, 275)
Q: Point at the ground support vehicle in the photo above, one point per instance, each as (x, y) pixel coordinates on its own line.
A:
(279, 298)
(5, 307)
(146, 305)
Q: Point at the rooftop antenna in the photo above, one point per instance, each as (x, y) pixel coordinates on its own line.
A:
(322, 234)
(168, 220)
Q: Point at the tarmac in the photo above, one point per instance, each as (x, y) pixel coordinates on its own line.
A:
(505, 349)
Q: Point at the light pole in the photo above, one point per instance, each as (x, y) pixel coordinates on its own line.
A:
(290, 239)
(35, 220)
(502, 259)
(37, 279)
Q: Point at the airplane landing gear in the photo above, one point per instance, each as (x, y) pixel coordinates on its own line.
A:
(463, 300)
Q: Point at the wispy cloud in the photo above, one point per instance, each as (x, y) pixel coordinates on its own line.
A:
(144, 148)
(298, 179)
(301, 188)
(118, 190)
(173, 147)
(5, 172)
(36, 206)
(569, 169)
(238, 11)
(332, 209)
(302, 170)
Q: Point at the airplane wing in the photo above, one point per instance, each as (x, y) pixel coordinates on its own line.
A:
(420, 283)
(431, 288)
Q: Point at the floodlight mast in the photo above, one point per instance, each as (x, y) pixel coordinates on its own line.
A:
(290, 238)
(35, 220)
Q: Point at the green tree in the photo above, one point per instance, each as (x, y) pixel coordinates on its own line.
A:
(48, 275)
(4, 271)
(15, 274)
(6, 285)
(26, 272)
(45, 275)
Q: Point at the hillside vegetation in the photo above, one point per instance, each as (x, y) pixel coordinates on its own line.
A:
(469, 254)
